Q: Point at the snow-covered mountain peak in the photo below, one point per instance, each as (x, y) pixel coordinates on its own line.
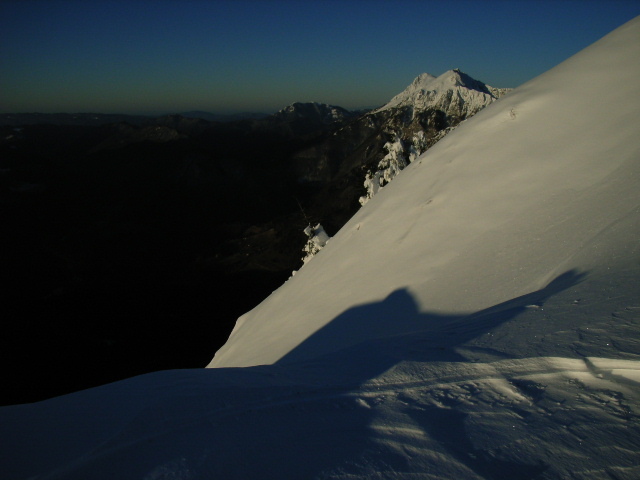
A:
(421, 81)
(453, 92)
(457, 78)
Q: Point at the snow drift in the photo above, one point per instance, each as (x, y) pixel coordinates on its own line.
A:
(478, 318)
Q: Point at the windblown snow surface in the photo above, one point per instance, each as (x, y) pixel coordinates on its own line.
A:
(478, 318)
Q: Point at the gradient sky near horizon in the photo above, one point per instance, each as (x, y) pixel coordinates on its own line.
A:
(163, 56)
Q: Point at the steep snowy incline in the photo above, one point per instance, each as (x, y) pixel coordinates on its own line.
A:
(541, 183)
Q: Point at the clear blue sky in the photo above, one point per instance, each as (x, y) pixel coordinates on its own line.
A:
(158, 56)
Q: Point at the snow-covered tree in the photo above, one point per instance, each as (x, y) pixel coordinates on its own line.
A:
(399, 155)
(418, 145)
(393, 162)
(317, 239)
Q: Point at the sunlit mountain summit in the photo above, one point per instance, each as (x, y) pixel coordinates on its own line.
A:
(453, 92)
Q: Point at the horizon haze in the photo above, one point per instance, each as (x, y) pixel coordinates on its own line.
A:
(228, 57)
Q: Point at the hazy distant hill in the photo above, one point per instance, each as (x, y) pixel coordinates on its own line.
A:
(83, 119)
(34, 118)
(220, 117)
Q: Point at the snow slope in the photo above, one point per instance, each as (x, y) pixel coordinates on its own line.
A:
(478, 318)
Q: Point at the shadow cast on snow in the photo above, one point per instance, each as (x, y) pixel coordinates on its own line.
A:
(427, 336)
(420, 336)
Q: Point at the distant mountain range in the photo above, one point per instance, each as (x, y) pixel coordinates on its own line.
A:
(220, 117)
(95, 119)
(77, 119)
